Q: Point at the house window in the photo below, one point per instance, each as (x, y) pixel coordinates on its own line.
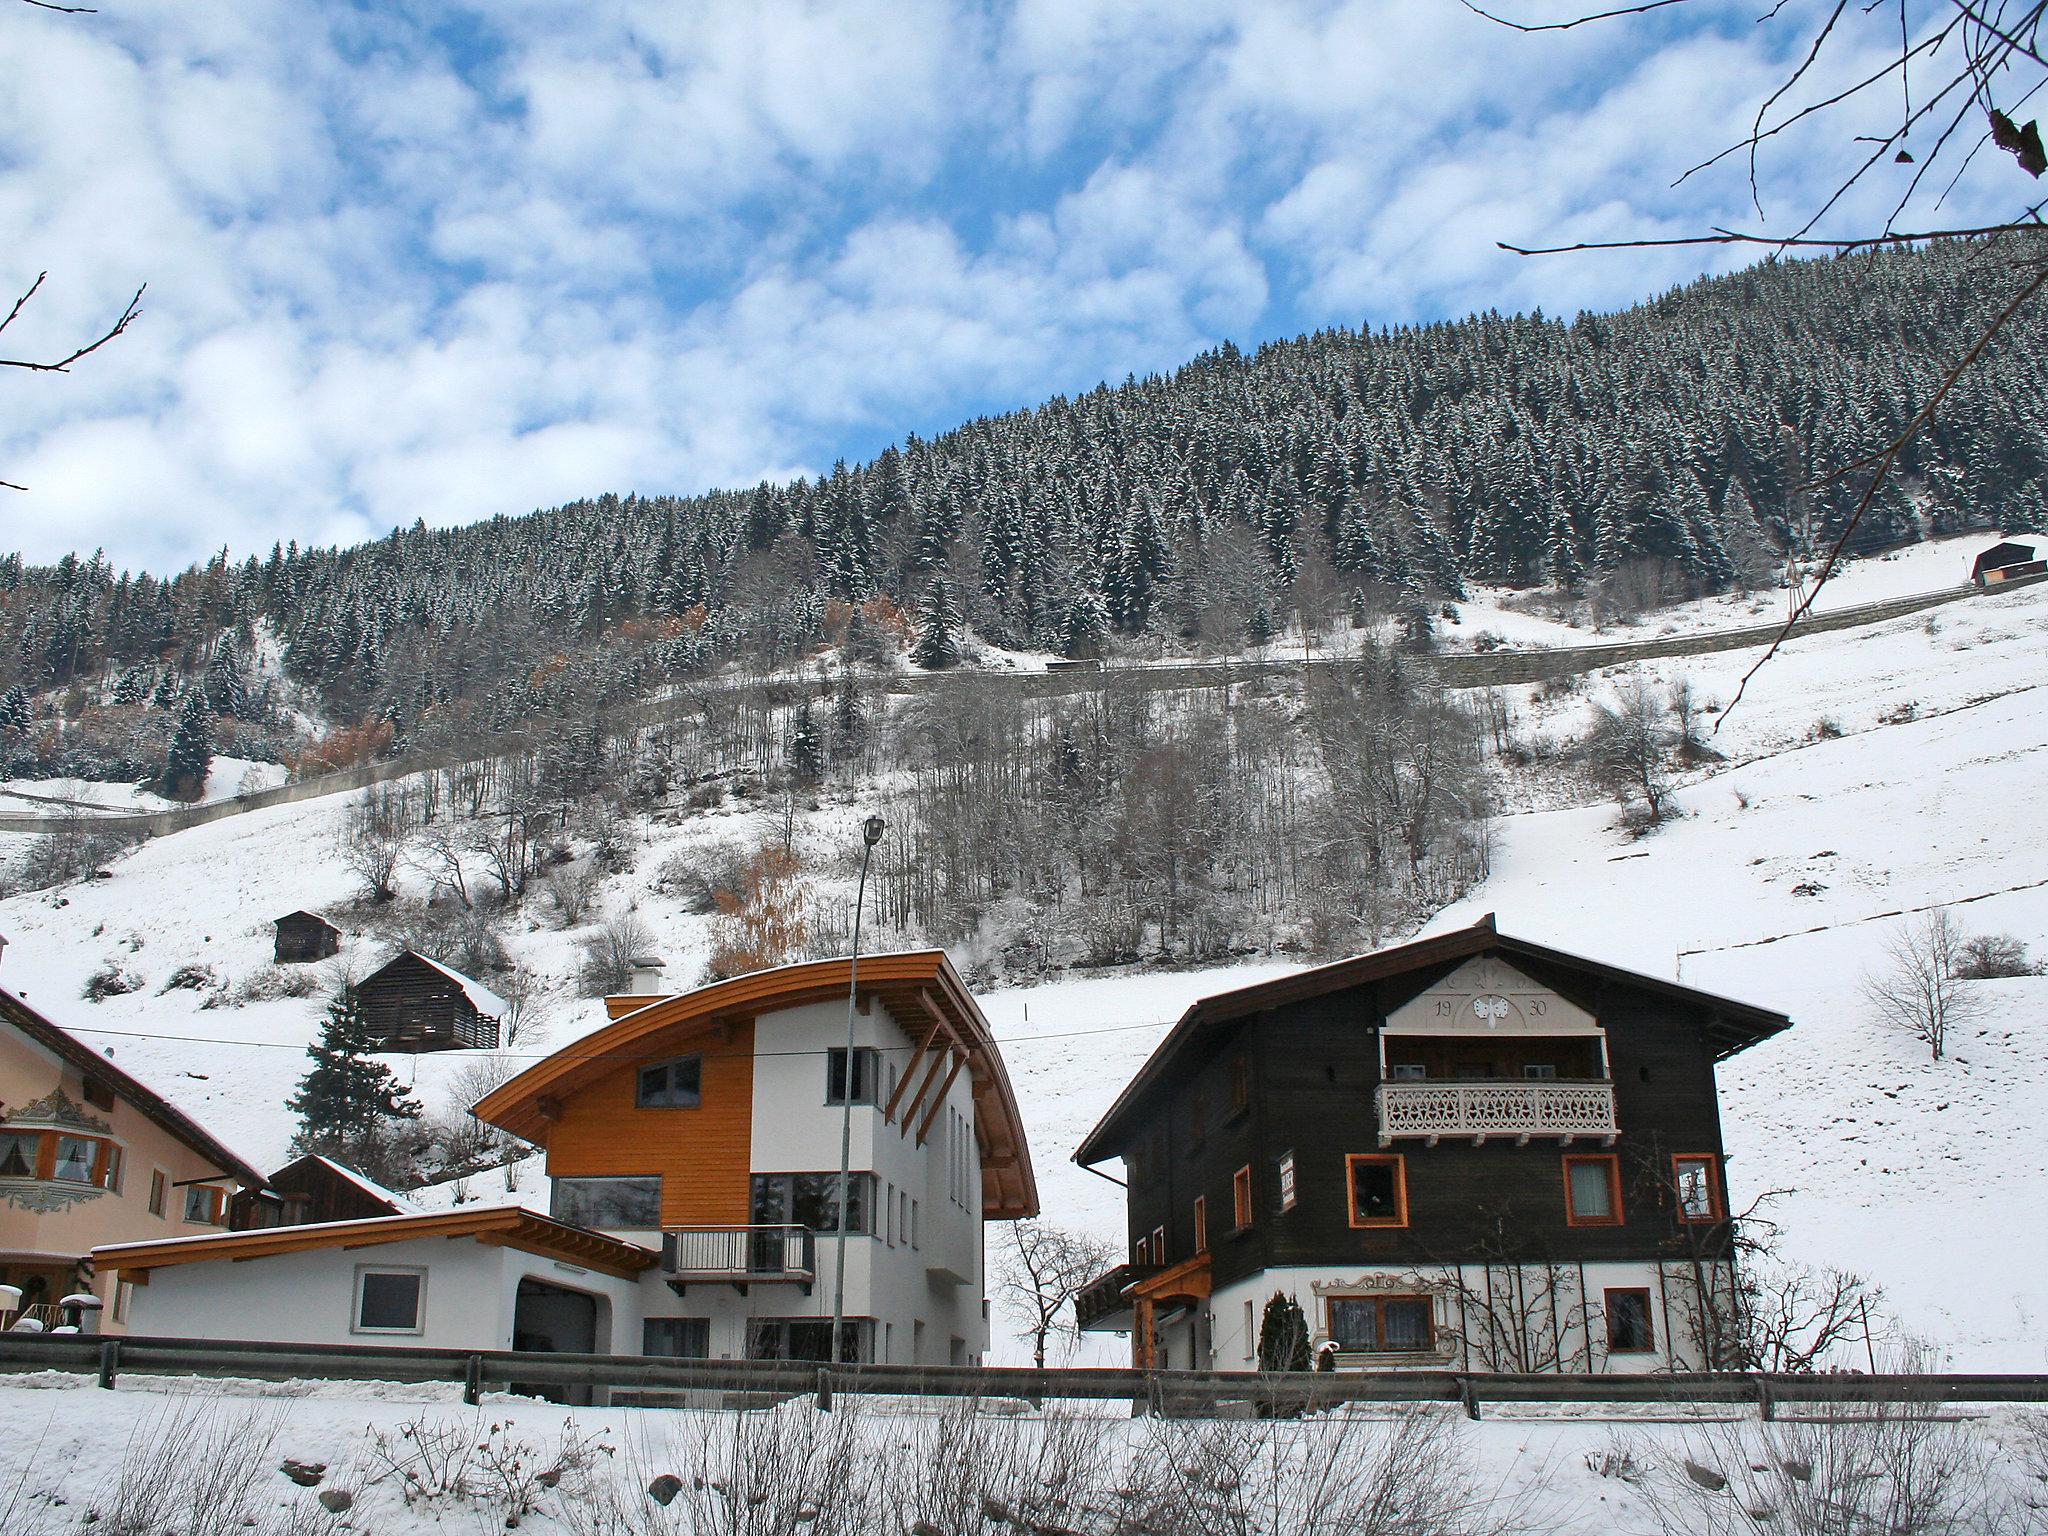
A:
(807, 1338)
(389, 1300)
(812, 1200)
(110, 1167)
(676, 1338)
(18, 1153)
(1201, 1223)
(1695, 1176)
(124, 1293)
(1628, 1322)
(1379, 1189)
(1240, 1084)
(1286, 1181)
(1241, 1198)
(1540, 1071)
(1383, 1325)
(203, 1204)
(99, 1093)
(1407, 1072)
(864, 1060)
(159, 1188)
(677, 1084)
(608, 1205)
(1159, 1245)
(75, 1158)
(1592, 1191)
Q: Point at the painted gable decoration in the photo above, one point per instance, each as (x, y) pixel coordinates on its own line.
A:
(1488, 996)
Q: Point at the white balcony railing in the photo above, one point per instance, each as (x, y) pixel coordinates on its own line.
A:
(1431, 1111)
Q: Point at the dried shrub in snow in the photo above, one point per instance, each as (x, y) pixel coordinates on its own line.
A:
(269, 982)
(191, 1469)
(1840, 1470)
(465, 1463)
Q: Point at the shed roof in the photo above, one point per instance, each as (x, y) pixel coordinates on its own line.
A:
(481, 998)
(397, 1203)
(309, 916)
(509, 1226)
(152, 1104)
(919, 987)
(1732, 1026)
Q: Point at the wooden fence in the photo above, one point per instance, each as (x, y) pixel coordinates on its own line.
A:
(756, 1382)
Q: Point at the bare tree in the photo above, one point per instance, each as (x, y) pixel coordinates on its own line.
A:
(1919, 988)
(1628, 745)
(373, 841)
(608, 955)
(437, 854)
(1042, 1269)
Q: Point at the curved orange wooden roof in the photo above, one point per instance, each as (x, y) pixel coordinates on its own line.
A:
(919, 987)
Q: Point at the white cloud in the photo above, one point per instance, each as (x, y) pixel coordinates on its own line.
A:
(451, 263)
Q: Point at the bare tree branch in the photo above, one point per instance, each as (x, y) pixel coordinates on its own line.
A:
(62, 364)
(1576, 21)
(68, 10)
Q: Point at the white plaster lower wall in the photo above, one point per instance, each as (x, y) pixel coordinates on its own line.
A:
(309, 1297)
(1574, 1330)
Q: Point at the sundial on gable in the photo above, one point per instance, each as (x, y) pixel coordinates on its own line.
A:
(1488, 996)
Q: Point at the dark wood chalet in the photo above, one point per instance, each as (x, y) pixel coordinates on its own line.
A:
(1467, 1151)
(418, 1005)
(312, 1189)
(2004, 563)
(305, 936)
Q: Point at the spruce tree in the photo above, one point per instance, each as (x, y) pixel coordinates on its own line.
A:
(806, 751)
(347, 1104)
(225, 694)
(938, 643)
(15, 715)
(191, 753)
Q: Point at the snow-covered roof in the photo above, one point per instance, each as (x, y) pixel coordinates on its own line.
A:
(481, 997)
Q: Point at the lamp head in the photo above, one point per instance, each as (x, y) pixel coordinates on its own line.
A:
(871, 829)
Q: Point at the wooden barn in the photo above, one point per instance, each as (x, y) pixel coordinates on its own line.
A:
(305, 936)
(2005, 562)
(314, 1189)
(418, 1005)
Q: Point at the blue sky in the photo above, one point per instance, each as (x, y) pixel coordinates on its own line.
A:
(448, 261)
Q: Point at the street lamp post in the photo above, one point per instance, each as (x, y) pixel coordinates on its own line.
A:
(871, 834)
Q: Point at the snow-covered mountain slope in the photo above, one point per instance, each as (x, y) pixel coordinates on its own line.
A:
(1866, 772)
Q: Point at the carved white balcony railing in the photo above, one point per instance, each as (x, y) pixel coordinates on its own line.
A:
(1482, 1110)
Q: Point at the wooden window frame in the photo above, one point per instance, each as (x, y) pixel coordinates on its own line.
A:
(1290, 1174)
(1201, 1224)
(1612, 1163)
(1607, 1296)
(1158, 1241)
(1241, 1199)
(669, 1065)
(1378, 1303)
(217, 1204)
(1717, 1207)
(159, 1192)
(1399, 1163)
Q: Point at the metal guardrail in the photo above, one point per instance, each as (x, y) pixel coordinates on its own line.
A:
(739, 1255)
(1183, 1391)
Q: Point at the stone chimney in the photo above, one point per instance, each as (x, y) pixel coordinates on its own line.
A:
(643, 973)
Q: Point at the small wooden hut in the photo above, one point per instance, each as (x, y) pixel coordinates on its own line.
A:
(418, 1005)
(305, 936)
(313, 1189)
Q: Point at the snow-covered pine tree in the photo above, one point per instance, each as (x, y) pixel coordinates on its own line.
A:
(191, 749)
(225, 692)
(938, 634)
(805, 751)
(16, 716)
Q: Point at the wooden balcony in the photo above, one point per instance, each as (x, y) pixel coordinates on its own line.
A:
(1493, 1109)
(1104, 1304)
(739, 1256)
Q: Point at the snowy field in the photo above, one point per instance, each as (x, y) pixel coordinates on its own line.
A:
(160, 1457)
(228, 777)
(1867, 772)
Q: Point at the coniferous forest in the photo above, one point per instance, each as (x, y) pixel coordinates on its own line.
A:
(1190, 511)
